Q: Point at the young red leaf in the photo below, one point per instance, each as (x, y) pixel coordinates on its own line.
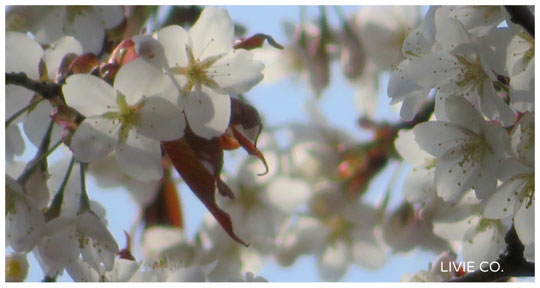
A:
(199, 179)
(256, 41)
(166, 208)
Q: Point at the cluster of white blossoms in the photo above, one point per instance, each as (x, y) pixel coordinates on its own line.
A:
(477, 177)
(309, 190)
(48, 211)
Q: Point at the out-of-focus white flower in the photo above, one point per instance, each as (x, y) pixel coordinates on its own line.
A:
(515, 197)
(435, 273)
(478, 20)
(65, 238)
(130, 118)
(468, 150)
(299, 57)
(108, 174)
(405, 229)
(24, 54)
(86, 23)
(206, 68)
(383, 30)
(231, 260)
(16, 267)
(24, 220)
(337, 232)
(167, 243)
(482, 239)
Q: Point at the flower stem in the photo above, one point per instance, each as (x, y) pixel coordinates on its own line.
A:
(21, 111)
(56, 205)
(84, 201)
(41, 155)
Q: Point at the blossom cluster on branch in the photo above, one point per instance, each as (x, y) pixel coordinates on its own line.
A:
(147, 110)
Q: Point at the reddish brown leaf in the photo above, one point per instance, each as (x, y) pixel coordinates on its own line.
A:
(245, 127)
(123, 53)
(166, 208)
(256, 41)
(199, 179)
(85, 63)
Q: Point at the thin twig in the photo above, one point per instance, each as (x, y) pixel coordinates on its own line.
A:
(512, 263)
(46, 89)
(522, 16)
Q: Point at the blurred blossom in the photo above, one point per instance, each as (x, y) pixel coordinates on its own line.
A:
(48, 23)
(338, 232)
(16, 267)
(382, 31)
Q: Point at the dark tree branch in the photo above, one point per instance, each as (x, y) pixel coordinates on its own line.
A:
(512, 263)
(46, 89)
(522, 16)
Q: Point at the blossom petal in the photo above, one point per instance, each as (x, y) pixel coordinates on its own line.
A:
(36, 123)
(17, 98)
(288, 194)
(461, 113)
(482, 244)
(22, 54)
(24, 220)
(208, 113)
(140, 157)
(334, 261)
(213, 33)
(437, 137)
(409, 150)
(161, 120)
(501, 204)
(58, 245)
(174, 40)
(139, 78)
(110, 16)
(88, 29)
(237, 72)
(453, 176)
(15, 144)
(524, 223)
(94, 139)
(89, 94)
(55, 54)
(102, 247)
(50, 27)
(366, 252)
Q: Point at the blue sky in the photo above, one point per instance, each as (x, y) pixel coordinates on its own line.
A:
(279, 103)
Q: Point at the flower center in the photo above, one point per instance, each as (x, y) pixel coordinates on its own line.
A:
(197, 72)
(473, 151)
(472, 74)
(127, 116)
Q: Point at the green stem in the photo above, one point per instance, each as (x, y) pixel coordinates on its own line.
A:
(38, 159)
(21, 111)
(84, 201)
(32, 167)
(56, 205)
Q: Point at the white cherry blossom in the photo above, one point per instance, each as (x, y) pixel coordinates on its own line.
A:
(338, 232)
(481, 239)
(467, 147)
(515, 196)
(207, 68)
(65, 238)
(24, 54)
(24, 220)
(49, 23)
(383, 30)
(130, 118)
